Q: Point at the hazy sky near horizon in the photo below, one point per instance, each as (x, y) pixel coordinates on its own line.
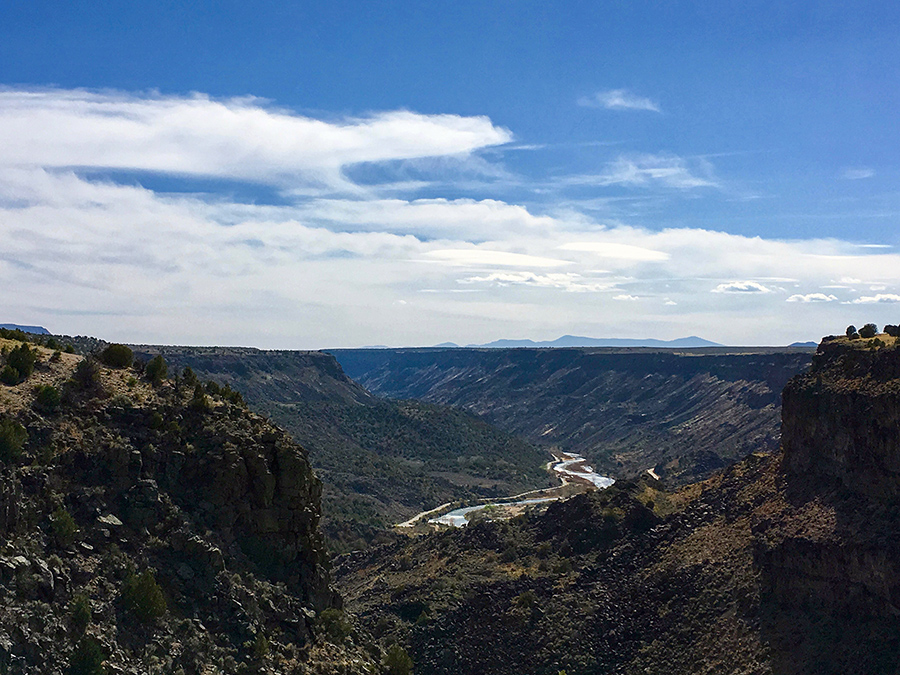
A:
(312, 175)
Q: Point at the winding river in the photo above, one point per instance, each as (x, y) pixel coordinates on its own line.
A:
(569, 467)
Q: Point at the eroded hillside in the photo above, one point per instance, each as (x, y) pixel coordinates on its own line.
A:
(684, 413)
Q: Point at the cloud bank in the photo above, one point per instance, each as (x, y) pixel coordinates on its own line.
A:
(336, 262)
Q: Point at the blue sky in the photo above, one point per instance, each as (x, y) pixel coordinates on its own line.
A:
(335, 174)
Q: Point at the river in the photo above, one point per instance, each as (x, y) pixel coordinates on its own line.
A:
(569, 467)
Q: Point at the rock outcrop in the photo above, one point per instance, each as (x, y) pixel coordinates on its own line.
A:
(167, 528)
(841, 419)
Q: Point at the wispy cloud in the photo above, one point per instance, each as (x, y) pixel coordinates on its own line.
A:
(651, 170)
(876, 299)
(618, 99)
(742, 287)
(812, 297)
(606, 249)
(571, 282)
(858, 173)
(626, 297)
(480, 257)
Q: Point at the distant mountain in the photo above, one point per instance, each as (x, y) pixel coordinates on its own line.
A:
(579, 341)
(37, 330)
(804, 344)
(447, 345)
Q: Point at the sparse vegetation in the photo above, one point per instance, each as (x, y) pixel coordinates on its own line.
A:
(260, 646)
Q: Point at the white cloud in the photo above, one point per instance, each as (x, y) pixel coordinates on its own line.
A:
(571, 282)
(88, 255)
(742, 287)
(478, 257)
(650, 171)
(626, 297)
(618, 99)
(812, 297)
(858, 173)
(233, 138)
(876, 299)
(487, 218)
(613, 250)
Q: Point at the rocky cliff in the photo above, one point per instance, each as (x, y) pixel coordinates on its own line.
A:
(842, 418)
(156, 527)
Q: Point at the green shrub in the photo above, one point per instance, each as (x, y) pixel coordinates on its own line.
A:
(333, 625)
(156, 420)
(117, 356)
(87, 659)
(870, 330)
(12, 439)
(51, 343)
(22, 359)
(69, 349)
(13, 334)
(64, 527)
(189, 377)
(86, 376)
(200, 401)
(526, 600)
(260, 646)
(157, 370)
(9, 375)
(397, 661)
(48, 397)
(56, 357)
(143, 596)
(80, 609)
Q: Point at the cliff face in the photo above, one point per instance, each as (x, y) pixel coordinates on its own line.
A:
(685, 413)
(167, 528)
(841, 419)
(841, 436)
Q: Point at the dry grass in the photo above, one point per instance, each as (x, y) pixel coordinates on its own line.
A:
(46, 372)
